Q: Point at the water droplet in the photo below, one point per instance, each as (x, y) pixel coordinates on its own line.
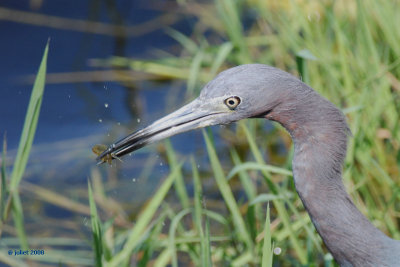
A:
(118, 123)
(138, 120)
(106, 105)
(277, 251)
(198, 166)
(100, 120)
(133, 179)
(85, 221)
(161, 163)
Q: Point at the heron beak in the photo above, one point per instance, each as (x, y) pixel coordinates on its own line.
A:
(196, 114)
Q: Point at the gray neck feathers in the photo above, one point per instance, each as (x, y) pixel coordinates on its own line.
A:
(320, 132)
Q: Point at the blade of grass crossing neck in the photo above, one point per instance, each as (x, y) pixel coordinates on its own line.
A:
(25, 145)
(227, 193)
(281, 195)
(144, 219)
(179, 181)
(267, 254)
(282, 213)
(96, 229)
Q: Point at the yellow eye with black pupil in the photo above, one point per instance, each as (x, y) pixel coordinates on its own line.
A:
(232, 102)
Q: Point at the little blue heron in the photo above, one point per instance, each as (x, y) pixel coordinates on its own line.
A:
(319, 132)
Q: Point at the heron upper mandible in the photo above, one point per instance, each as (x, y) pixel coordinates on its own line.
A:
(319, 132)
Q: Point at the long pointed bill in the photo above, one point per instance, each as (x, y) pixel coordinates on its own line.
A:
(194, 115)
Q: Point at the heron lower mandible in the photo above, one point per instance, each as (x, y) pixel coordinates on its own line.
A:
(319, 131)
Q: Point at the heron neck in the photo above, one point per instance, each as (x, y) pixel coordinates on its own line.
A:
(320, 147)
(344, 229)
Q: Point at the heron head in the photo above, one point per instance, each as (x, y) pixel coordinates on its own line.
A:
(246, 91)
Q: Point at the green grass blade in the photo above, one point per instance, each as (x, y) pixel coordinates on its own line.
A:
(18, 215)
(144, 220)
(227, 193)
(267, 248)
(194, 73)
(185, 41)
(206, 245)
(171, 236)
(163, 258)
(253, 211)
(197, 197)
(269, 197)
(205, 251)
(25, 145)
(222, 54)
(301, 61)
(248, 186)
(179, 181)
(30, 124)
(96, 230)
(259, 167)
(229, 13)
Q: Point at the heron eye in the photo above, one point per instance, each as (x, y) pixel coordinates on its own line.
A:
(232, 102)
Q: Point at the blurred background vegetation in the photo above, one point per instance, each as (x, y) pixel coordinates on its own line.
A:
(201, 199)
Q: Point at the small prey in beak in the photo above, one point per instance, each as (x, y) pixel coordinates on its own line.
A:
(98, 150)
(196, 114)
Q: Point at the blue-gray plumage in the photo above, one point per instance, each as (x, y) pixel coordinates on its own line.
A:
(319, 131)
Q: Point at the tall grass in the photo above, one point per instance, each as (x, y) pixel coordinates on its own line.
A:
(28, 133)
(349, 52)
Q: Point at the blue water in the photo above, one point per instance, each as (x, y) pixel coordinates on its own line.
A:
(72, 112)
(76, 116)
(68, 110)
